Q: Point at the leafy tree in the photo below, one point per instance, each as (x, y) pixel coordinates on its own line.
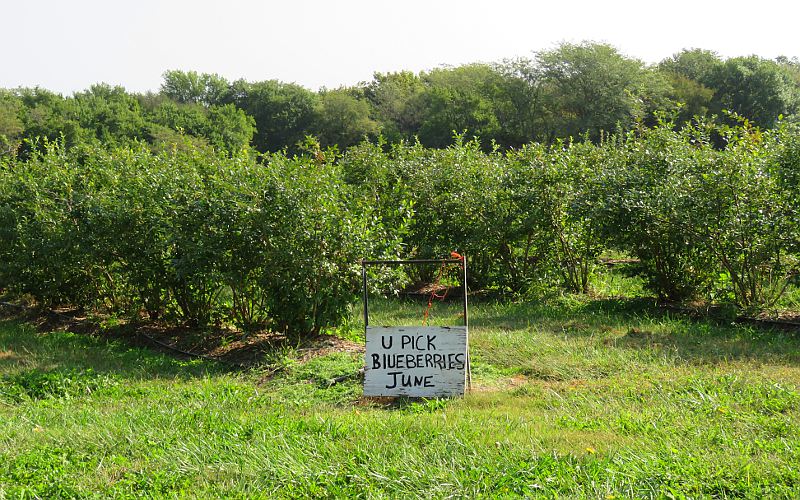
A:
(225, 127)
(50, 116)
(343, 120)
(523, 112)
(592, 88)
(689, 73)
(188, 118)
(163, 139)
(457, 100)
(692, 97)
(11, 127)
(791, 66)
(109, 113)
(284, 113)
(190, 87)
(755, 88)
(229, 128)
(395, 99)
(695, 64)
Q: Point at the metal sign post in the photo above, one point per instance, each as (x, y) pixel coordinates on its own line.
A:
(416, 361)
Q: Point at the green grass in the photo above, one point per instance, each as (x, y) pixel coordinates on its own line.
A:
(599, 399)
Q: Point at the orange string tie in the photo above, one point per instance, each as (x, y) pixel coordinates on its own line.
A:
(435, 285)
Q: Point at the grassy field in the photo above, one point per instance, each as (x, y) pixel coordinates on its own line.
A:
(586, 398)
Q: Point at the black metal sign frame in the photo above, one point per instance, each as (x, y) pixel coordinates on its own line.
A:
(365, 263)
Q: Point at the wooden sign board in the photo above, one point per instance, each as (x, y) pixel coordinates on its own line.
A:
(415, 361)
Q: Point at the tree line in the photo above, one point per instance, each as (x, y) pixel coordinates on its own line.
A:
(573, 90)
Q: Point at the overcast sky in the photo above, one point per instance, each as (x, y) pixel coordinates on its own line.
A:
(67, 45)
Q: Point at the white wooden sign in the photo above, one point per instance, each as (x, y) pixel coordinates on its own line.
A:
(416, 361)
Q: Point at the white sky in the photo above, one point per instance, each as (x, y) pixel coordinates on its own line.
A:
(67, 45)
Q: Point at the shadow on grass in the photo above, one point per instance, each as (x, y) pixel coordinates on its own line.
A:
(695, 335)
(639, 324)
(707, 342)
(622, 308)
(628, 324)
(589, 314)
(69, 338)
(24, 349)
